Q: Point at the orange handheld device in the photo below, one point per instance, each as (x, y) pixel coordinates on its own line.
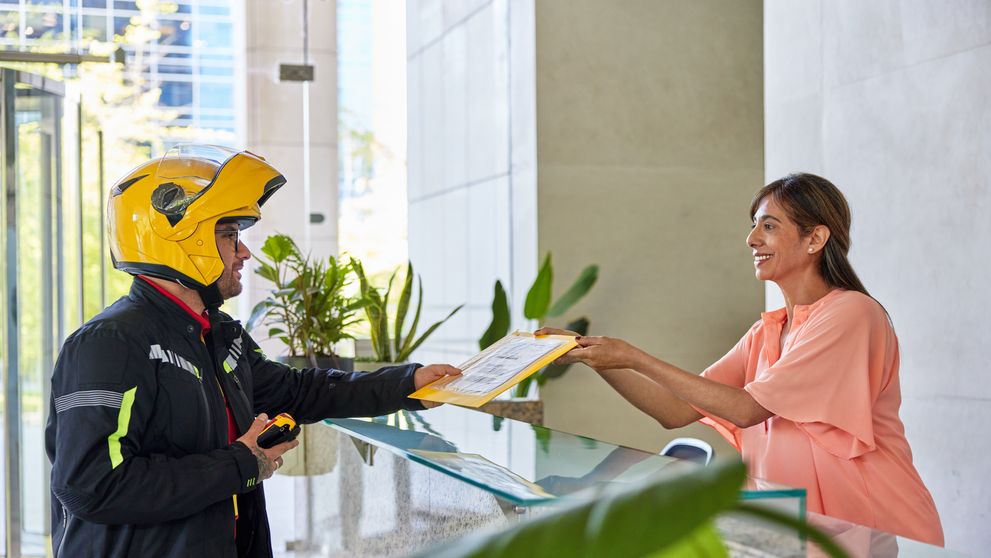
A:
(278, 430)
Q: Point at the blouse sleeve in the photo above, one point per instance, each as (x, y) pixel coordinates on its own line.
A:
(732, 371)
(827, 381)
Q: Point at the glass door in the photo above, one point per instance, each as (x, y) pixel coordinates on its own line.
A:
(32, 273)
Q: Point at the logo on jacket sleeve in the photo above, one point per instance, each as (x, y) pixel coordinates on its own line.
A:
(230, 363)
(165, 355)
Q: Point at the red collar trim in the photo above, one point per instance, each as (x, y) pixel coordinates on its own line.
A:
(203, 321)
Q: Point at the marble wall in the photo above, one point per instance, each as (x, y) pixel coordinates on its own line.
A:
(889, 100)
(470, 162)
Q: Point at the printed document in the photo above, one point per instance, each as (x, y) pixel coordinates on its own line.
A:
(499, 367)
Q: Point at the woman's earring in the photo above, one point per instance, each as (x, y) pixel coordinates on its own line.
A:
(810, 250)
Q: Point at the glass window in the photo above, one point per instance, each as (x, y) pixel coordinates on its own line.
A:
(10, 24)
(177, 32)
(177, 93)
(207, 9)
(216, 33)
(120, 25)
(217, 70)
(217, 95)
(94, 27)
(174, 67)
(47, 25)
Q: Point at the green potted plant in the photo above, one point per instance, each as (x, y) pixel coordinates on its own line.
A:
(308, 308)
(537, 307)
(390, 340)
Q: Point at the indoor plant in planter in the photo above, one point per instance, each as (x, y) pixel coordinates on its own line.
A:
(391, 342)
(537, 307)
(308, 310)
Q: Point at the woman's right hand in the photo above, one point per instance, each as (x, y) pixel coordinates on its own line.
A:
(566, 358)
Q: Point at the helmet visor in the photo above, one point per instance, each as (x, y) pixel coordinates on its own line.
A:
(198, 163)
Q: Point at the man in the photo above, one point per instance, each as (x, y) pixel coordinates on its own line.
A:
(152, 434)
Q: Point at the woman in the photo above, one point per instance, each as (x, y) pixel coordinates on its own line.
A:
(810, 395)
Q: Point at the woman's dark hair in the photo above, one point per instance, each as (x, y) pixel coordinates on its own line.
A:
(812, 200)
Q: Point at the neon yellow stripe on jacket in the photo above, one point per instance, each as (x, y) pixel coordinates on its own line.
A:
(123, 419)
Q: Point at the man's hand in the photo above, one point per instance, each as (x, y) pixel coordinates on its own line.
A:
(268, 459)
(432, 373)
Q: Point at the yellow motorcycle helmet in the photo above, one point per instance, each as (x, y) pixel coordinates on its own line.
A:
(161, 216)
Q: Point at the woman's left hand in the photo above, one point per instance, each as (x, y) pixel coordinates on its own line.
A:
(606, 353)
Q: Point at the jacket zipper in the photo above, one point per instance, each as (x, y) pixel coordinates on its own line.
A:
(209, 414)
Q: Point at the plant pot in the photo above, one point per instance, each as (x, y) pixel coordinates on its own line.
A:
(373, 365)
(316, 453)
(530, 411)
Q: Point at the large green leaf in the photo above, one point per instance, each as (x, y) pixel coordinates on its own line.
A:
(623, 521)
(538, 298)
(500, 318)
(703, 542)
(581, 286)
(402, 308)
(257, 313)
(425, 335)
(410, 335)
(279, 247)
(380, 338)
(522, 389)
(267, 272)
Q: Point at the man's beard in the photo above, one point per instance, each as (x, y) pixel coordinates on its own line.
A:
(228, 285)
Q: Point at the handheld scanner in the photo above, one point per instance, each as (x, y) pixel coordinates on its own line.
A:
(278, 430)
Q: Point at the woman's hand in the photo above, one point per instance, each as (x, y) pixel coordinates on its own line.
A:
(565, 358)
(605, 353)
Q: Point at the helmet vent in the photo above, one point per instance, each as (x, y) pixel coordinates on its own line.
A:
(119, 189)
(171, 200)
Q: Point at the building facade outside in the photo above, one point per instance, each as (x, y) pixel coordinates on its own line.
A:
(193, 60)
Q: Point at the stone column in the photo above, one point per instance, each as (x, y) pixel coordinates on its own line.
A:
(274, 123)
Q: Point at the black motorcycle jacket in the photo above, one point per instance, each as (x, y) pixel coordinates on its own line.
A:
(138, 438)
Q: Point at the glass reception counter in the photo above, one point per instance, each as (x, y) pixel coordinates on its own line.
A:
(397, 484)
(523, 464)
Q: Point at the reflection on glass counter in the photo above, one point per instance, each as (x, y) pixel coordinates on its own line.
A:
(538, 465)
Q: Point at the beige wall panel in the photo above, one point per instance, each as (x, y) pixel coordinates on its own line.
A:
(649, 124)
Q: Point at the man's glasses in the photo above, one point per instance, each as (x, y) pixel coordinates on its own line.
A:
(231, 235)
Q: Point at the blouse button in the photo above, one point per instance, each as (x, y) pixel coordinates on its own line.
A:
(189, 329)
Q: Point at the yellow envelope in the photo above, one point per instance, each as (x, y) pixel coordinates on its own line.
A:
(499, 367)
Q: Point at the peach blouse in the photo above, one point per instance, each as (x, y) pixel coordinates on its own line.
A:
(834, 392)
